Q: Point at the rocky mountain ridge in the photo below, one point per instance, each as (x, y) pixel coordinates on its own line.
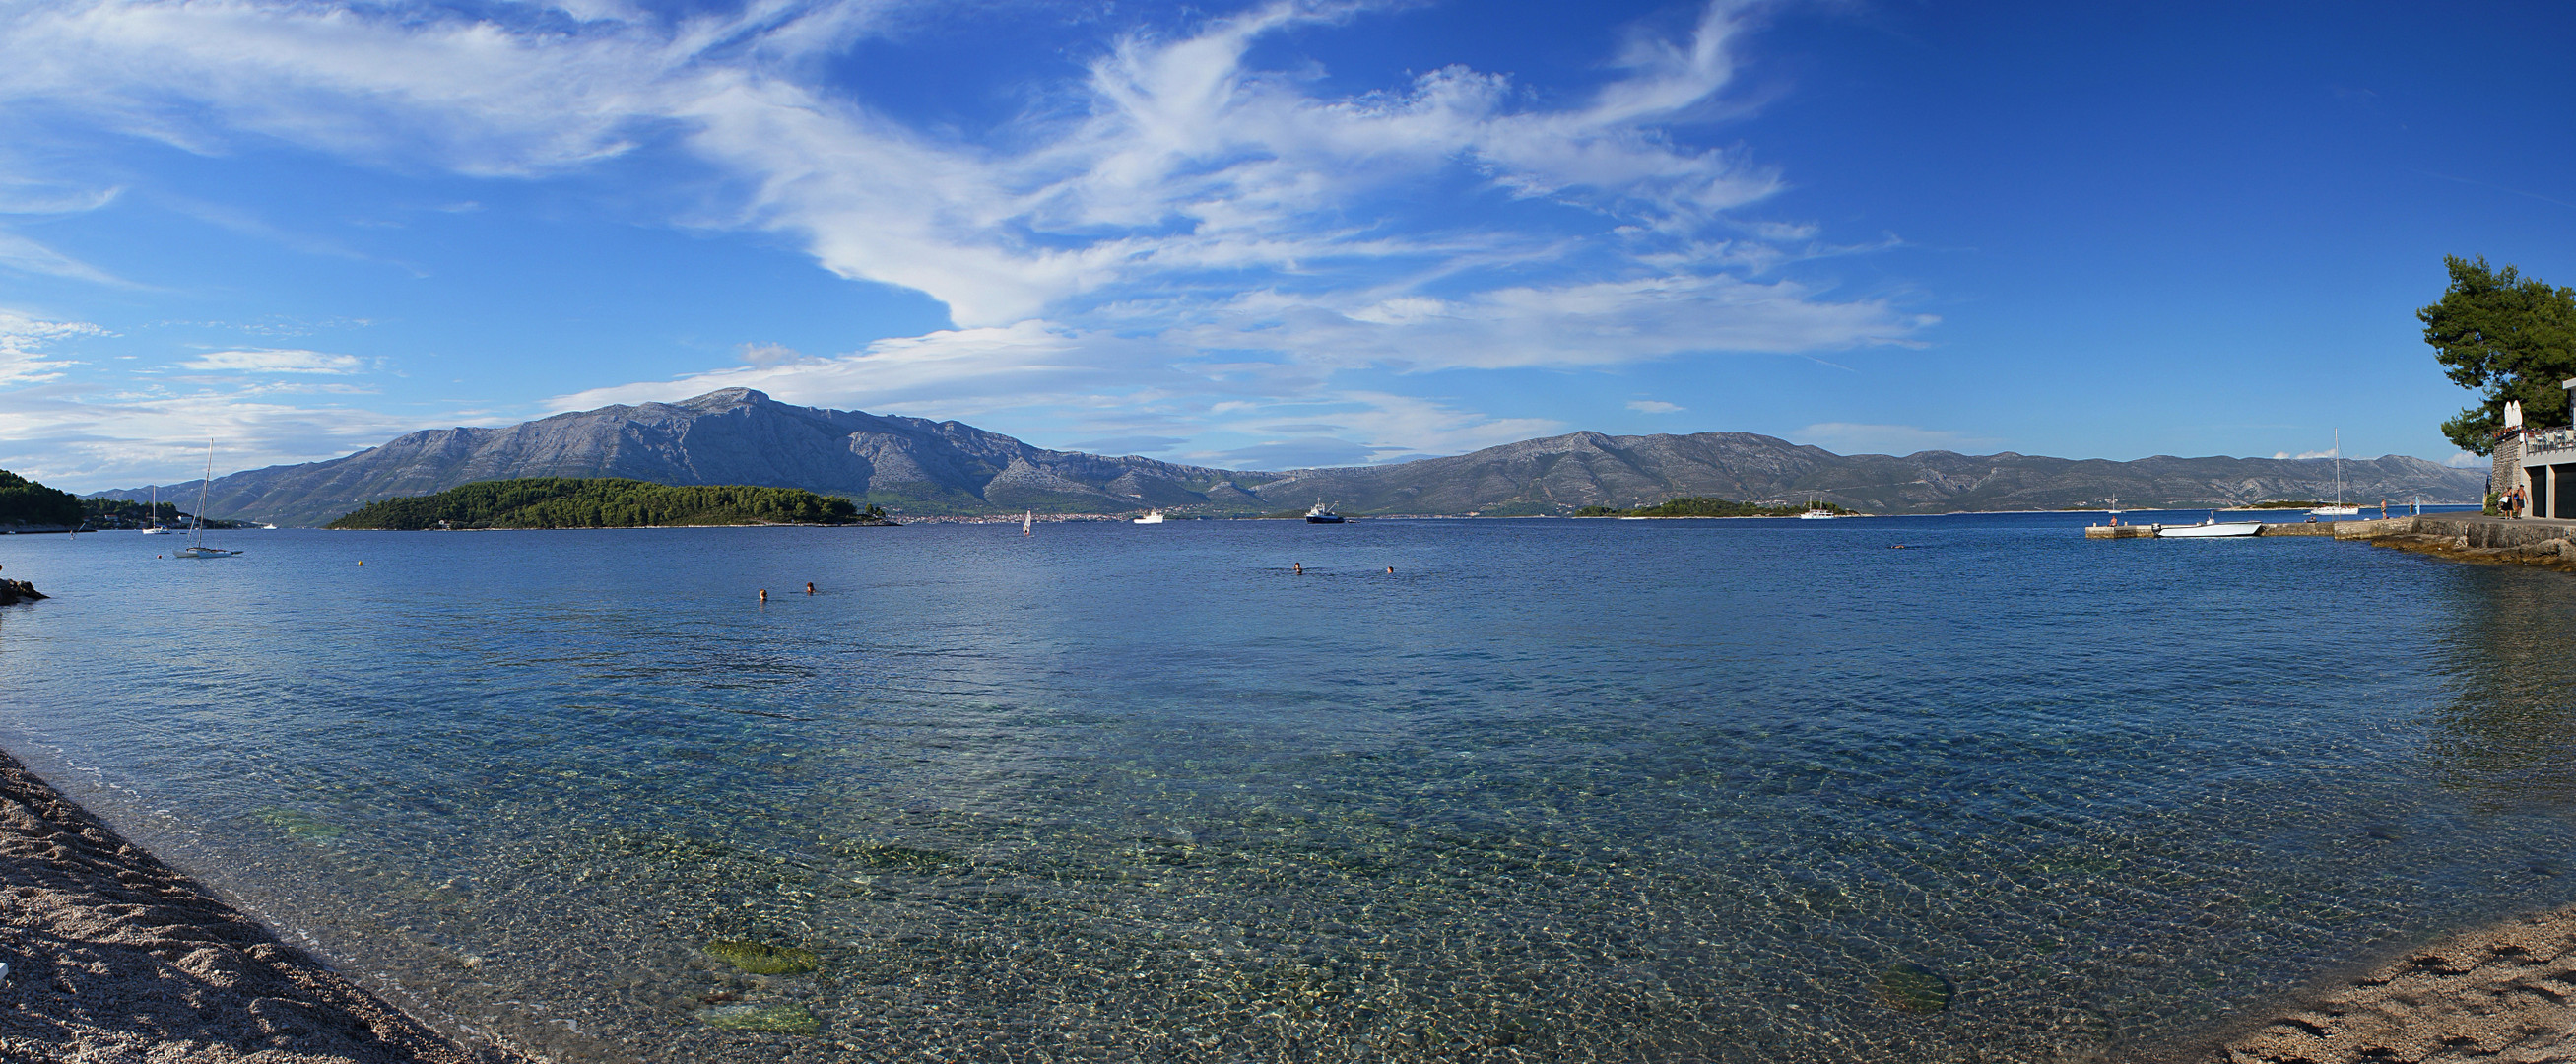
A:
(917, 466)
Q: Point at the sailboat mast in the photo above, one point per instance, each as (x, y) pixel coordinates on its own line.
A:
(2338, 467)
(199, 536)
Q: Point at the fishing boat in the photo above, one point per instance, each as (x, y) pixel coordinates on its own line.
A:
(1152, 517)
(2209, 529)
(2338, 509)
(154, 527)
(197, 547)
(1028, 522)
(1323, 514)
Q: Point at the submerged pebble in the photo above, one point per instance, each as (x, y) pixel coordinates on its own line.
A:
(1911, 987)
(763, 959)
(774, 1019)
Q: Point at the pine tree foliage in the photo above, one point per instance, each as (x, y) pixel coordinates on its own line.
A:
(2511, 335)
(567, 502)
(25, 502)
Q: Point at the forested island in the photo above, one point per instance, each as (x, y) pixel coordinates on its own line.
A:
(25, 502)
(1706, 506)
(569, 502)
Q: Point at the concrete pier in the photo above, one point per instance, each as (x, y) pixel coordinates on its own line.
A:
(2517, 532)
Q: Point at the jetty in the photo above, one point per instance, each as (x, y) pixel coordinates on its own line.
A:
(2549, 541)
(2303, 528)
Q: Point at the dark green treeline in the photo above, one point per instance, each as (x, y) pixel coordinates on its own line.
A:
(567, 502)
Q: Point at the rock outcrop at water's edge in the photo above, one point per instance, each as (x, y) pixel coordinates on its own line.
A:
(2473, 538)
(14, 591)
(114, 956)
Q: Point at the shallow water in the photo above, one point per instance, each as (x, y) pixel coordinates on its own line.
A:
(1551, 790)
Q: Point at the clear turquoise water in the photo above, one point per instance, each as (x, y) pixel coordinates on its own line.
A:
(1552, 790)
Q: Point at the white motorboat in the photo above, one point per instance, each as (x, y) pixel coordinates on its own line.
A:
(2210, 528)
(1152, 517)
(2338, 509)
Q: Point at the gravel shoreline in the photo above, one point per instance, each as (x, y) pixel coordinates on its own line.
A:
(2506, 992)
(116, 958)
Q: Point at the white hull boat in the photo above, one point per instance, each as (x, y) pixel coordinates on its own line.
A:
(2338, 509)
(2209, 529)
(1152, 518)
(197, 547)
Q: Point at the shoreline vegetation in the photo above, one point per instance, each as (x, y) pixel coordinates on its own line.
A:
(570, 502)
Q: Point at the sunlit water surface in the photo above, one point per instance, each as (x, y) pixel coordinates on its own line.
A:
(1551, 790)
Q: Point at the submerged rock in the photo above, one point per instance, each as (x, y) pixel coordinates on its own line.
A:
(775, 1019)
(299, 823)
(763, 959)
(1911, 987)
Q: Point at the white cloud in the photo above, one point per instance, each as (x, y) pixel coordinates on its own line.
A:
(27, 256)
(1850, 438)
(1655, 406)
(90, 439)
(1182, 241)
(2465, 460)
(274, 360)
(23, 340)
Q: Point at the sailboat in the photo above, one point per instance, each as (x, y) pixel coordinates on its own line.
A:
(197, 547)
(1816, 511)
(1028, 522)
(154, 528)
(2338, 509)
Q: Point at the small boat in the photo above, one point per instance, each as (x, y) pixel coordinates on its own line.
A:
(2209, 528)
(2338, 509)
(1816, 512)
(197, 547)
(1152, 517)
(1028, 522)
(154, 528)
(1323, 514)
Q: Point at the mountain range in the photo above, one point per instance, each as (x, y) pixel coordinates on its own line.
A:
(917, 466)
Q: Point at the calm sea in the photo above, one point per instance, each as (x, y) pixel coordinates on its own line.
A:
(1549, 790)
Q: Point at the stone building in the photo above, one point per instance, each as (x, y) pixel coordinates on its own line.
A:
(2542, 462)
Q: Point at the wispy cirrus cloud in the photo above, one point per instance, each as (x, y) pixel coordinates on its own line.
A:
(274, 360)
(23, 342)
(1181, 243)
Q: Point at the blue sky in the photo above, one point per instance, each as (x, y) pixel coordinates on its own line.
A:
(1262, 235)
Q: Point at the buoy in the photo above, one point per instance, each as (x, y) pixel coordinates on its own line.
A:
(362, 563)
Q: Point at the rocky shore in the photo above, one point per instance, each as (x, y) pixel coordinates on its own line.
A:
(2548, 543)
(12, 591)
(115, 958)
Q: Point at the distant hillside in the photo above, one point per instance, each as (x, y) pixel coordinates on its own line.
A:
(916, 466)
(561, 502)
(1562, 473)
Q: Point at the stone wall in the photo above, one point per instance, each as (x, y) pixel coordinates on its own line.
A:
(2508, 464)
